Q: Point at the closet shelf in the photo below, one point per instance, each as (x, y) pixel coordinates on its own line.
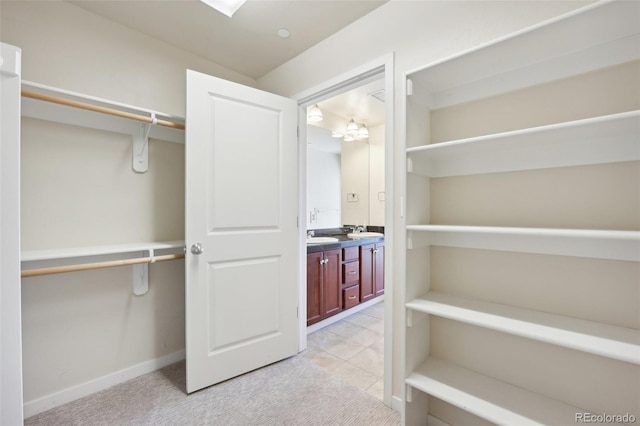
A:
(531, 57)
(600, 244)
(488, 398)
(619, 343)
(606, 139)
(75, 252)
(97, 118)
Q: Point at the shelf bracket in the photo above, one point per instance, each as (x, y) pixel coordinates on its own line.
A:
(409, 393)
(140, 161)
(409, 317)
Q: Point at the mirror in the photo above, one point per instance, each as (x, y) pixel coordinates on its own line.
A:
(345, 180)
(345, 175)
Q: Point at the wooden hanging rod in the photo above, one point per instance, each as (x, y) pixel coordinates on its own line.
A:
(96, 108)
(97, 265)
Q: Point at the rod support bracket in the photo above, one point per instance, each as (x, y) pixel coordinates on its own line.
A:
(140, 149)
(140, 279)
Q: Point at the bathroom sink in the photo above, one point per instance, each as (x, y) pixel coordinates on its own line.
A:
(321, 240)
(365, 235)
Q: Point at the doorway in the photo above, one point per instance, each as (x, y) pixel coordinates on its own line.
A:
(374, 79)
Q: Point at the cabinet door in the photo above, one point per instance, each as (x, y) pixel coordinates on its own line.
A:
(314, 287)
(367, 290)
(378, 270)
(332, 284)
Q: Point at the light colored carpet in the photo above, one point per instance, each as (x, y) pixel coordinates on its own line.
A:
(291, 392)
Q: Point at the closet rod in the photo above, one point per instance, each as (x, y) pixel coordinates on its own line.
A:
(97, 265)
(96, 108)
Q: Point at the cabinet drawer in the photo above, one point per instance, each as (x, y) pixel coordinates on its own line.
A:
(350, 272)
(351, 296)
(350, 253)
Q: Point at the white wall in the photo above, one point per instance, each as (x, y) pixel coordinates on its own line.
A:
(69, 48)
(78, 189)
(419, 33)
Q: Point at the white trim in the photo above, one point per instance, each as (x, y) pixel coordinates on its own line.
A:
(11, 383)
(434, 421)
(382, 67)
(397, 403)
(56, 399)
(344, 314)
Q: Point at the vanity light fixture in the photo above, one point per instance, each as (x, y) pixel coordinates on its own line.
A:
(314, 114)
(363, 132)
(352, 132)
(227, 7)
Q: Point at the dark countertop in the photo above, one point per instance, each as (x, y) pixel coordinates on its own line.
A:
(343, 242)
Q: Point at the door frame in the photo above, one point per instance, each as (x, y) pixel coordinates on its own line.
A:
(374, 70)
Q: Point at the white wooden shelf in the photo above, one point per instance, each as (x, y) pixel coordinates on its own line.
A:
(532, 57)
(600, 244)
(488, 398)
(49, 111)
(619, 343)
(136, 255)
(607, 139)
(75, 252)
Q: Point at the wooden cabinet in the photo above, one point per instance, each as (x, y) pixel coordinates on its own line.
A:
(340, 279)
(509, 158)
(324, 285)
(371, 271)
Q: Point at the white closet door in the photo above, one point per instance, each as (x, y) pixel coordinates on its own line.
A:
(241, 229)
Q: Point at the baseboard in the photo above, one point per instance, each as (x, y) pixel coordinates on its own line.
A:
(397, 404)
(344, 314)
(56, 399)
(434, 421)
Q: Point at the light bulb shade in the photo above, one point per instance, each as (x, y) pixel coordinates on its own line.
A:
(337, 134)
(314, 114)
(363, 132)
(352, 129)
(348, 138)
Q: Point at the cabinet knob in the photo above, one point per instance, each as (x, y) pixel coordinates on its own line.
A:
(375, 250)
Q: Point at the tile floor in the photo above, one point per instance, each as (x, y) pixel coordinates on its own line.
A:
(352, 349)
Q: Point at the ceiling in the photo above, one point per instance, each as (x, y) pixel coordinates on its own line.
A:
(248, 42)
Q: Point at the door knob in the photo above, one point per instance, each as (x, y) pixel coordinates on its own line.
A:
(197, 248)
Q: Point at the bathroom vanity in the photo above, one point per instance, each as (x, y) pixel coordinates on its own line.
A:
(343, 270)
